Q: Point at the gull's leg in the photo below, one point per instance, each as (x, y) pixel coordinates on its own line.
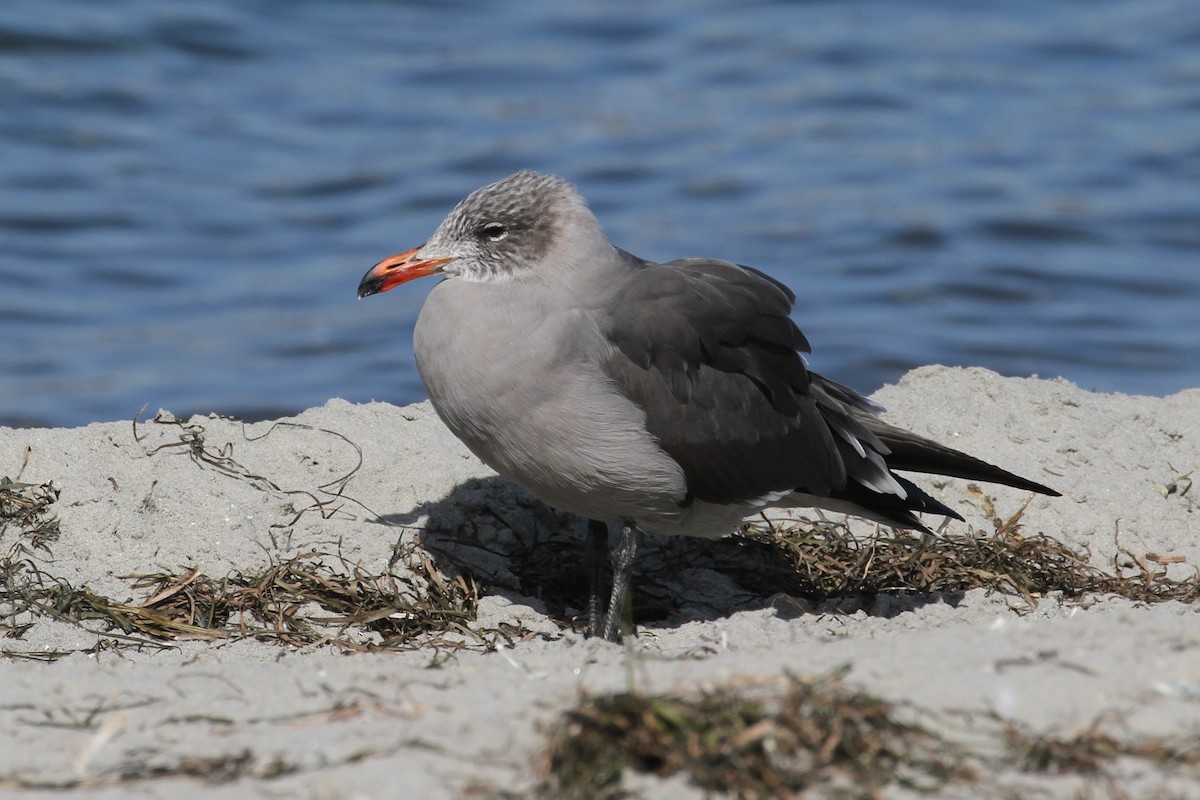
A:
(619, 620)
(596, 549)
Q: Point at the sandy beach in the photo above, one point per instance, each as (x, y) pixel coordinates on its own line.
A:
(343, 494)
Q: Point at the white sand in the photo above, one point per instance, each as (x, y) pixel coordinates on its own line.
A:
(390, 725)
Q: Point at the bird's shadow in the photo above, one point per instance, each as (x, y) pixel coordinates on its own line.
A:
(515, 546)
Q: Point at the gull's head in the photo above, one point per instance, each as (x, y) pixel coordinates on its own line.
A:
(510, 230)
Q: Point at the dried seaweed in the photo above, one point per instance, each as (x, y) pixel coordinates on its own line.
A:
(828, 560)
(219, 769)
(25, 506)
(758, 740)
(281, 603)
(193, 441)
(1094, 750)
(786, 737)
(312, 598)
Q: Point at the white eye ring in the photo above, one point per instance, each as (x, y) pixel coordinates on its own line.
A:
(494, 231)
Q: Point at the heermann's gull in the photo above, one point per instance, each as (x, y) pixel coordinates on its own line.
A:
(666, 397)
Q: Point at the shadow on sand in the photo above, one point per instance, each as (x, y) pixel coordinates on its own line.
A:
(517, 547)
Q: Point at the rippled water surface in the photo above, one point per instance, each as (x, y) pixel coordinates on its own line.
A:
(190, 192)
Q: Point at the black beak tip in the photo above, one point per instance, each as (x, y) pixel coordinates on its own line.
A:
(369, 285)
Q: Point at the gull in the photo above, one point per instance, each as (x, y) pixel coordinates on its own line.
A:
(674, 398)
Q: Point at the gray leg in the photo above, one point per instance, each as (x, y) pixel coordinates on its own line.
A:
(619, 600)
(596, 549)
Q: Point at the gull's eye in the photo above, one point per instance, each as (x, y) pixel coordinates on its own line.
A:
(492, 231)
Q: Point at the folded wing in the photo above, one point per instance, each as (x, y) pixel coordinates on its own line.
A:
(708, 350)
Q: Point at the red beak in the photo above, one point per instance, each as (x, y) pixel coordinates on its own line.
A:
(398, 269)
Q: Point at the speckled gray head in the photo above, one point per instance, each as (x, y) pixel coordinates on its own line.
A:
(504, 231)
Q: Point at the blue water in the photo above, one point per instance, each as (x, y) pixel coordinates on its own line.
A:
(190, 191)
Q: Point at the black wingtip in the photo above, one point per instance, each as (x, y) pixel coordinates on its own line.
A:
(912, 453)
(1006, 478)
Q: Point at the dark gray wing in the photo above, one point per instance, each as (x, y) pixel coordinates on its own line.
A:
(709, 351)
